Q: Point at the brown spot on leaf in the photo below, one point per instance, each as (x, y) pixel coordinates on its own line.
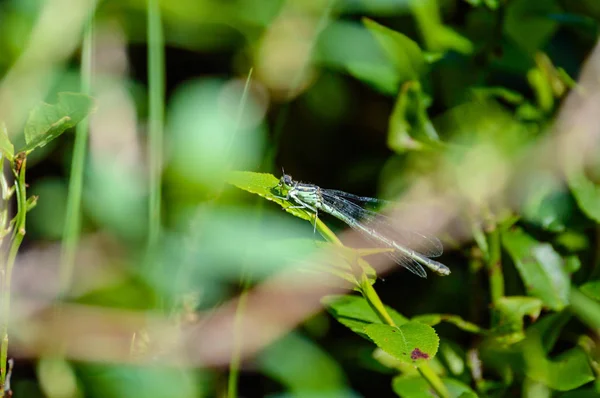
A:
(418, 354)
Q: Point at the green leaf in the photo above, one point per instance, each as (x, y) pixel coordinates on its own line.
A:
(405, 60)
(540, 266)
(434, 319)
(46, 122)
(264, 184)
(507, 317)
(409, 126)
(528, 24)
(355, 312)
(586, 193)
(417, 387)
(411, 342)
(286, 361)
(566, 372)
(6, 147)
(436, 35)
(591, 289)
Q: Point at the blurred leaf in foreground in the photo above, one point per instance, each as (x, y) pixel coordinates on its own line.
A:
(46, 122)
(286, 361)
(540, 266)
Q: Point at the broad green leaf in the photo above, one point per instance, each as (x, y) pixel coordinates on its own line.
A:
(355, 312)
(46, 122)
(591, 289)
(409, 126)
(411, 342)
(540, 266)
(405, 60)
(434, 319)
(417, 387)
(6, 147)
(507, 317)
(586, 193)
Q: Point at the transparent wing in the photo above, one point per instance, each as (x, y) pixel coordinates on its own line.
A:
(429, 246)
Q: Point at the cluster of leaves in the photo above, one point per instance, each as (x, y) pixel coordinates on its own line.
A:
(518, 349)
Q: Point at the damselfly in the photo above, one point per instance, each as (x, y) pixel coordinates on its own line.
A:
(412, 250)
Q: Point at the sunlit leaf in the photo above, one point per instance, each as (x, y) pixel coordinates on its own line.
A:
(508, 314)
(417, 387)
(264, 184)
(355, 313)
(411, 342)
(434, 319)
(48, 121)
(540, 266)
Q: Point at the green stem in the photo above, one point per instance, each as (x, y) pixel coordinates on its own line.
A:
(434, 380)
(16, 240)
(236, 357)
(156, 88)
(72, 218)
(495, 266)
(378, 307)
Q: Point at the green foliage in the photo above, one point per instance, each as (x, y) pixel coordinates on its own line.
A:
(411, 342)
(46, 122)
(402, 60)
(356, 313)
(478, 112)
(540, 266)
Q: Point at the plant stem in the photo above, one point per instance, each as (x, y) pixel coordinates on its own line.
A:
(434, 380)
(378, 307)
(495, 266)
(16, 239)
(234, 365)
(73, 217)
(156, 88)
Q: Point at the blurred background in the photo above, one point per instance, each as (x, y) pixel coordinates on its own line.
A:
(457, 101)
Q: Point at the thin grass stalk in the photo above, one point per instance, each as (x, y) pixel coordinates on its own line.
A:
(71, 233)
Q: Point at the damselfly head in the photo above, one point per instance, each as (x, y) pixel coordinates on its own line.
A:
(286, 181)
